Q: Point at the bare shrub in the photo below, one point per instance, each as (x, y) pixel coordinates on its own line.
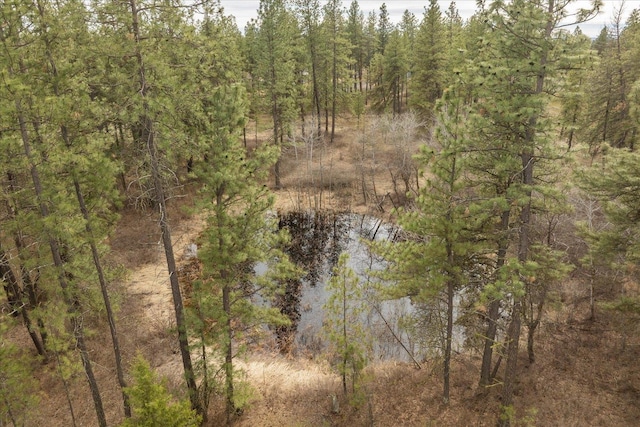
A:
(388, 144)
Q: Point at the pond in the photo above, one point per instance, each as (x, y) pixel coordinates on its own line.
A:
(317, 240)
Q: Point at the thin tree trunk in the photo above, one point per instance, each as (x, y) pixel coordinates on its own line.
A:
(30, 286)
(14, 295)
(94, 250)
(173, 274)
(448, 342)
(510, 374)
(326, 111)
(105, 297)
(205, 385)
(276, 126)
(66, 390)
(120, 143)
(393, 334)
(334, 82)
(71, 301)
(228, 357)
(531, 330)
(494, 306)
(489, 342)
(450, 292)
(148, 138)
(344, 337)
(276, 171)
(316, 93)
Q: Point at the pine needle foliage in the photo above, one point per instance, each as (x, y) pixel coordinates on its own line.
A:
(240, 233)
(343, 325)
(152, 404)
(18, 396)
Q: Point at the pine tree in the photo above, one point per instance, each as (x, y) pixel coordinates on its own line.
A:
(275, 68)
(51, 74)
(19, 305)
(518, 49)
(239, 234)
(344, 310)
(434, 262)
(356, 36)
(614, 183)
(152, 111)
(455, 41)
(338, 58)
(309, 17)
(571, 90)
(18, 396)
(384, 28)
(85, 156)
(389, 71)
(152, 404)
(607, 118)
(431, 54)
(371, 43)
(408, 28)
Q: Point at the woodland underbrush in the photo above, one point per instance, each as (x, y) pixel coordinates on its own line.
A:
(585, 372)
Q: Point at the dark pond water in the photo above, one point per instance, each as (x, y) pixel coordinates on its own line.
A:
(317, 240)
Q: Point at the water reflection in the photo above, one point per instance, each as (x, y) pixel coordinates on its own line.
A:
(317, 240)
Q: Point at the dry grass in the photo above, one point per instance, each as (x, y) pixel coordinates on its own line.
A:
(586, 373)
(136, 240)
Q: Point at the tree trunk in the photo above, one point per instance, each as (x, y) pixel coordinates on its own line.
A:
(513, 335)
(449, 340)
(528, 161)
(105, 297)
(276, 129)
(205, 385)
(344, 337)
(228, 357)
(510, 374)
(276, 171)
(316, 93)
(531, 330)
(172, 270)
(326, 111)
(173, 275)
(30, 285)
(14, 296)
(71, 301)
(489, 341)
(148, 137)
(494, 306)
(65, 386)
(94, 251)
(450, 293)
(334, 83)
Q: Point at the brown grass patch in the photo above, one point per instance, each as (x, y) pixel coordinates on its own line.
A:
(586, 372)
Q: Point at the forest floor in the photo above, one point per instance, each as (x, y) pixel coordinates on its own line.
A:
(585, 374)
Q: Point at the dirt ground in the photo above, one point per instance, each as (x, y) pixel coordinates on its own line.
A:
(586, 372)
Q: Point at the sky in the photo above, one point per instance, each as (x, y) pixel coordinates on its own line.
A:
(244, 10)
